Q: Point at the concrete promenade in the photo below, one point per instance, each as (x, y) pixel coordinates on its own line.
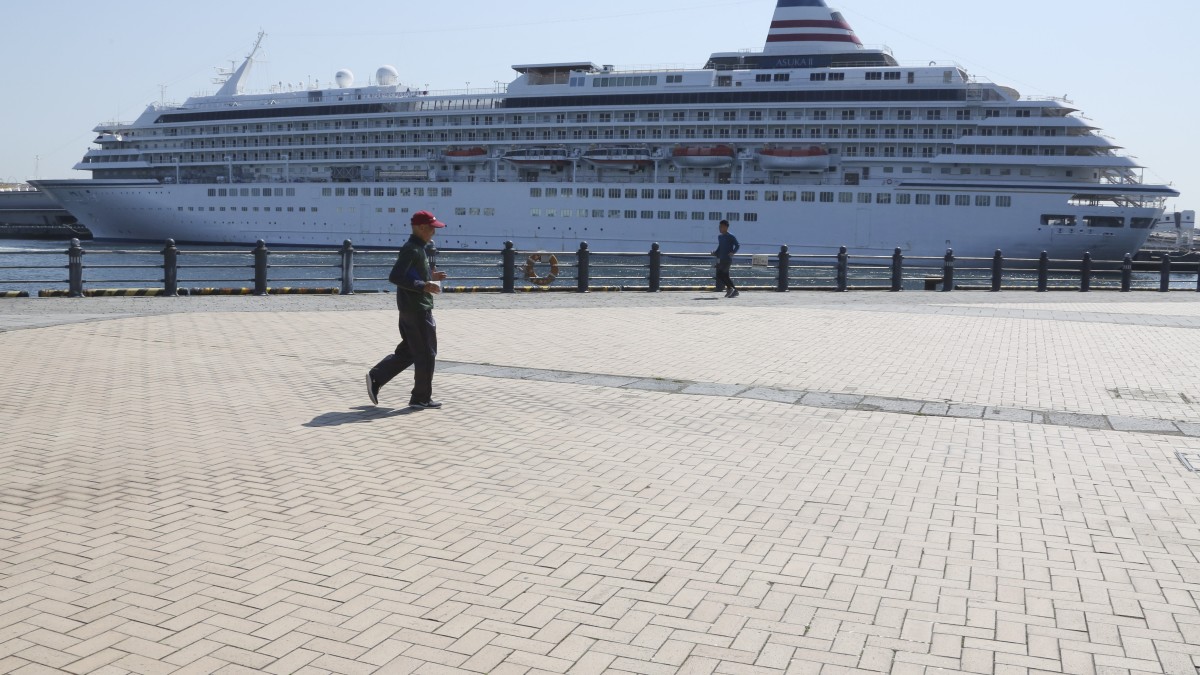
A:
(618, 482)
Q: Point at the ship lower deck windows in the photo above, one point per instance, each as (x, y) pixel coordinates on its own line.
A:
(1104, 221)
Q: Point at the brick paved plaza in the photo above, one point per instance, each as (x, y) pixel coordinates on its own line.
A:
(628, 483)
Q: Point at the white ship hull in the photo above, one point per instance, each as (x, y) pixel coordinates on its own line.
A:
(482, 216)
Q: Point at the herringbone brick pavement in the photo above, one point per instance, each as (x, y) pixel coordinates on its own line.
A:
(208, 492)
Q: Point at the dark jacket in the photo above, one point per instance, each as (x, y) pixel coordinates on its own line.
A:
(410, 274)
(727, 245)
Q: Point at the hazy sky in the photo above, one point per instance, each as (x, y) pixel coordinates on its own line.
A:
(70, 65)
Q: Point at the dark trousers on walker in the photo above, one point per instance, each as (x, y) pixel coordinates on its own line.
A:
(417, 348)
(723, 276)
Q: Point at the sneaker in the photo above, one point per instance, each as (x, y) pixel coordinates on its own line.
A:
(426, 404)
(734, 294)
(728, 292)
(372, 390)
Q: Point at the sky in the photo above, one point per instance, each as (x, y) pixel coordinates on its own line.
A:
(74, 64)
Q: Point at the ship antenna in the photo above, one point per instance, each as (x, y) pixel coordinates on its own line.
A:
(233, 85)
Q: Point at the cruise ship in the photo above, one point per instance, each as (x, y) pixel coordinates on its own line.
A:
(815, 142)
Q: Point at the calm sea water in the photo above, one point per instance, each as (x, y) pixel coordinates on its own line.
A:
(36, 265)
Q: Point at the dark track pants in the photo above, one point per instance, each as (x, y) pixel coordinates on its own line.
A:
(417, 348)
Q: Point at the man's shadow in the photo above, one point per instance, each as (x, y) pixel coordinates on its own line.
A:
(360, 415)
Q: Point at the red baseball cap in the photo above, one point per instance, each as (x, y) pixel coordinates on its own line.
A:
(426, 218)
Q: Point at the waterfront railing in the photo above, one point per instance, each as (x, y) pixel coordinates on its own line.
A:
(261, 270)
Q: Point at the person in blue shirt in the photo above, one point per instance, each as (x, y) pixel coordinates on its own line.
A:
(416, 283)
(727, 245)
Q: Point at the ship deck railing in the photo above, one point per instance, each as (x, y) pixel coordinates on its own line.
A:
(261, 270)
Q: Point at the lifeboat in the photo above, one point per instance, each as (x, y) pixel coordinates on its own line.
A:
(474, 155)
(538, 157)
(623, 158)
(812, 158)
(703, 157)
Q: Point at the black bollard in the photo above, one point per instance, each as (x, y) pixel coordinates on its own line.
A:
(655, 268)
(897, 270)
(508, 258)
(75, 270)
(997, 270)
(843, 269)
(584, 256)
(347, 268)
(1127, 273)
(1043, 272)
(1085, 273)
(1164, 275)
(260, 267)
(948, 271)
(170, 269)
(785, 263)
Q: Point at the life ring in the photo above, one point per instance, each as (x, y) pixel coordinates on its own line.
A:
(889, 181)
(531, 273)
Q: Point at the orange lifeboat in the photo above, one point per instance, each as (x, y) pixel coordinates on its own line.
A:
(476, 155)
(702, 156)
(812, 158)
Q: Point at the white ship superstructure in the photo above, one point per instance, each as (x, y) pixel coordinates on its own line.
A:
(815, 142)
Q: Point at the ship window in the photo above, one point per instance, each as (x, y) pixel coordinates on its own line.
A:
(817, 77)
(751, 217)
(734, 195)
(597, 192)
(837, 77)
(664, 194)
(1104, 221)
(697, 215)
(535, 212)
(827, 197)
(681, 194)
(1058, 221)
(447, 192)
(808, 196)
(647, 194)
(698, 194)
(715, 215)
(732, 217)
(790, 196)
(923, 200)
(664, 215)
(535, 192)
(614, 193)
(962, 200)
(1141, 223)
(942, 200)
(904, 198)
(597, 213)
(551, 192)
(567, 192)
(1004, 202)
(646, 215)
(983, 200)
(883, 198)
(631, 193)
(846, 197)
(864, 198)
(681, 215)
(630, 213)
(716, 195)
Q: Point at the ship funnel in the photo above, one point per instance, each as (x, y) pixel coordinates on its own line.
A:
(809, 27)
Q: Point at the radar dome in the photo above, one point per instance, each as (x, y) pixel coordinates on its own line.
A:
(344, 78)
(387, 75)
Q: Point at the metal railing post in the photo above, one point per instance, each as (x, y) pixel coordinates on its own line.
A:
(897, 270)
(260, 267)
(1127, 273)
(783, 282)
(584, 273)
(948, 271)
(1164, 275)
(1085, 273)
(508, 259)
(997, 270)
(347, 268)
(843, 269)
(75, 270)
(655, 268)
(170, 269)
(1043, 282)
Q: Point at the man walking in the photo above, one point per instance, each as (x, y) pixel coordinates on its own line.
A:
(416, 284)
(727, 245)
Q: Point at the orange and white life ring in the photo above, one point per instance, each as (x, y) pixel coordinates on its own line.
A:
(531, 271)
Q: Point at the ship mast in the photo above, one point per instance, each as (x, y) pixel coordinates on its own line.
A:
(233, 85)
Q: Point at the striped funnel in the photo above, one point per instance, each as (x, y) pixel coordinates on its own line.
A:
(809, 27)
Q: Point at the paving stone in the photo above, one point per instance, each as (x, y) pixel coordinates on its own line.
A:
(197, 495)
(1122, 423)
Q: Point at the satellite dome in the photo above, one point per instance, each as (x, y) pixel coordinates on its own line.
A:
(344, 78)
(387, 75)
